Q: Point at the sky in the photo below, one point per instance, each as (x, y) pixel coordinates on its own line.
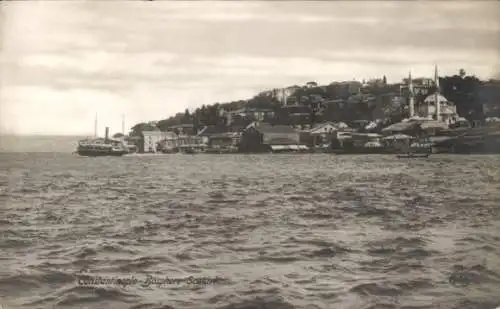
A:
(64, 61)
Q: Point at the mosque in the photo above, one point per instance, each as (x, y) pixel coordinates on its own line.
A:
(434, 107)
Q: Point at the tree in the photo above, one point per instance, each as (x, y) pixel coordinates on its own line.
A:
(118, 135)
(463, 91)
(186, 118)
(141, 127)
(312, 84)
(384, 80)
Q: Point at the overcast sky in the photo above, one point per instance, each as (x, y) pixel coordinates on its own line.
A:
(63, 61)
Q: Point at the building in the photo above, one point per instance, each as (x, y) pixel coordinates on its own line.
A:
(447, 110)
(224, 142)
(183, 129)
(294, 114)
(209, 131)
(489, 98)
(434, 106)
(169, 142)
(420, 82)
(344, 89)
(285, 93)
(258, 114)
(319, 134)
(259, 137)
(150, 140)
(190, 142)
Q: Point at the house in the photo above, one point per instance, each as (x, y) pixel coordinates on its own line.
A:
(294, 114)
(420, 82)
(238, 123)
(334, 109)
(183, 129)
(285, 93)
(150, 140)
(169, 142)
(319, 134)
(340, 139)
(263, 136)
(224, 142)
(257, 114)
(207, 131)
(489, 97)
(190, 141)
(271, 134)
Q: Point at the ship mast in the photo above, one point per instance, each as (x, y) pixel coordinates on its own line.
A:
(123, 124)
(95, 125)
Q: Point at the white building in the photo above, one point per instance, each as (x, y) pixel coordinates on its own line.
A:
(151, 139)
(447, 110)
(435, 106)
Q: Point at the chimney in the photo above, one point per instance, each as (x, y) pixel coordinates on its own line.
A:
(106, 134)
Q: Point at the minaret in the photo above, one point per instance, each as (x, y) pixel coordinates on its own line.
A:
(436, 95)
(95, 125)
(411, 96)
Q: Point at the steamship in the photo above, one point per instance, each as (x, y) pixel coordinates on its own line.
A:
(94, 147)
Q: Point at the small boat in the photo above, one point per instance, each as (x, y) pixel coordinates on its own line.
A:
(419, 153)
(191, 150)
(413, 155)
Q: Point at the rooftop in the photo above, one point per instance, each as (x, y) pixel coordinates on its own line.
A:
(268, 128)
(212, 130)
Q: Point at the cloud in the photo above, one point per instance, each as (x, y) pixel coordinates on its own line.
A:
(153, 59)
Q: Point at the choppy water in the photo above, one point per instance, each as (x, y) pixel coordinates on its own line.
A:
(278, 231)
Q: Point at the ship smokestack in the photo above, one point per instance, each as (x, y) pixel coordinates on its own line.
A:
(106, 134)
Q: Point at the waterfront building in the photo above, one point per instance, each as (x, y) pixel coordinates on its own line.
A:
(294, 114)
(224, 142)
(208, 131)
(151, 139)
(263, 137)
(169, 142)
(186, 142)
(319, 134)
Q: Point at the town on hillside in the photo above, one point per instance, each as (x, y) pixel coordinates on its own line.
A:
(456, 114)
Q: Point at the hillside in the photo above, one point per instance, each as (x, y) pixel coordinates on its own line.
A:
(338, 101)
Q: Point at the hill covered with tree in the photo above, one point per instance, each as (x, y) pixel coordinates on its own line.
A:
(338, 101)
